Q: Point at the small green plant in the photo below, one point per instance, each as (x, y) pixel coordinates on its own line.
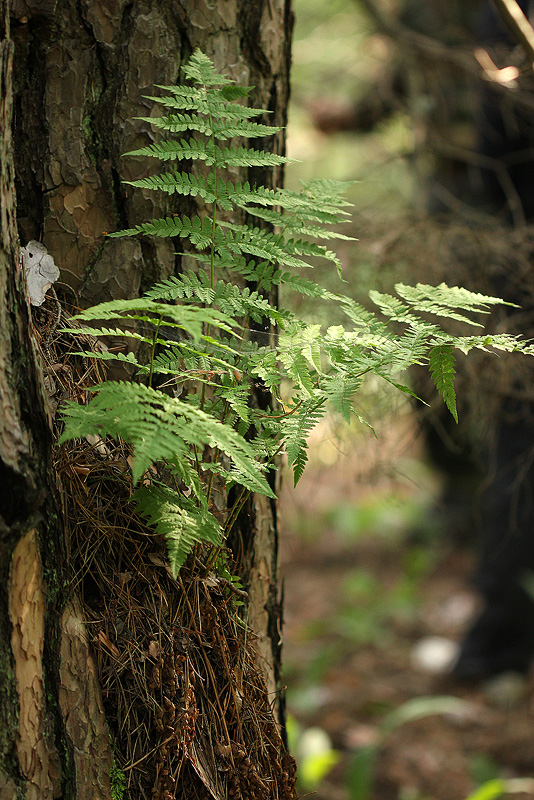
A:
(362, 768)
(117, 781)
(212, 350)
(502, 787)
(314, 753)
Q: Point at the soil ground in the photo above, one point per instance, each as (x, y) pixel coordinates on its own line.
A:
(368, 577)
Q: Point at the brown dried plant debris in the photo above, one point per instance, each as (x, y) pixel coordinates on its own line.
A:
(185, 701)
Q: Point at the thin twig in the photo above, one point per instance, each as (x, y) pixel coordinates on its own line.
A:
(461, 57)
(518, 24)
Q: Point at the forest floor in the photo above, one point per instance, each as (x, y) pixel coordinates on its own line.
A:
(368, 577)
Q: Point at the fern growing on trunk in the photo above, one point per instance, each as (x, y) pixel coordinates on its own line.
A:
(202, 330)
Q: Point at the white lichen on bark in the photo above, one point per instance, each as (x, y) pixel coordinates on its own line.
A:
(40, 271)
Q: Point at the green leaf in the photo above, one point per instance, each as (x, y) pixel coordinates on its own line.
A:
(489, 790)
(200, 69)
(160, 428)
(441, 362)
(177, 519)
(190, 319)
(421, 707)
(361, 772)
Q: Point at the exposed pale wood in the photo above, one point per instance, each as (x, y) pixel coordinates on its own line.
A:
(37, 757)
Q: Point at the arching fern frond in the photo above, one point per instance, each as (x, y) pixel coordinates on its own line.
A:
(190, 319)
(298, 427)
(178, 519)
(441, 360)
(159, 428)
(231, 299)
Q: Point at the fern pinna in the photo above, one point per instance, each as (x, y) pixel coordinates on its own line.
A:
(203, 332)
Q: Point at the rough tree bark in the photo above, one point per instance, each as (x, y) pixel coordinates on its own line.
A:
(80, 69)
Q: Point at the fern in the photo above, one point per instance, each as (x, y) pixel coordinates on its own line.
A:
(178, 519)
(160, 428)
(216, 343)
(298, 427)
(441, 361)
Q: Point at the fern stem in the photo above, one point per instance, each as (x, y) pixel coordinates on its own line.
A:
(213, 230)
(236, 510)
(197, 461)
(226, 409)
(153, 350)
(210, 483)
(214, 217)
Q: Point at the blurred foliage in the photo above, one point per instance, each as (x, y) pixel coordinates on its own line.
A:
(483, 769)
(314, 753)
(362, 768)
(337, 57)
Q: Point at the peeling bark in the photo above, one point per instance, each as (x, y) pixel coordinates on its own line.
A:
(81, 708)
(37, 757)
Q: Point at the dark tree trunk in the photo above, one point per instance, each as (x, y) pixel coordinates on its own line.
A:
(80, 70)
(44, 657)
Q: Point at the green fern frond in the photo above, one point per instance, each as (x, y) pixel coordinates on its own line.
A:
(159, 428)
(200, 69)
(339, 389)
(237, 398)
(292, 224)
(198, 231)
(187, 362)
(231, 299)
(243, 157)
(190, 319)
(189, 285)
(220, 108)
(192, 101)
(177, 519)
(441, 362)
(297, 429)
(327, 192)
(498, 341)
(303, 286)
(177, 183)
(242, 129)
(454, 297)
(178, 123)
(125, 358)
(103, 331)
(233, 92)
(391, 306)
(220, 130)
(360, 316)
(198, 150)
(244, 193)
(178, 150)
(298, 369)
(263, 245)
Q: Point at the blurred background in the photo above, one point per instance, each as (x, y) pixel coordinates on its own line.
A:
(377, 562)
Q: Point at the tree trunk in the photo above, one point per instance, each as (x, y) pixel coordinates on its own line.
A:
(81, 69)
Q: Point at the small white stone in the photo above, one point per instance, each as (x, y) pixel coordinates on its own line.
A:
(434, 654)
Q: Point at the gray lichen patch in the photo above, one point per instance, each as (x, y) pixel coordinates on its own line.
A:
(40, 271)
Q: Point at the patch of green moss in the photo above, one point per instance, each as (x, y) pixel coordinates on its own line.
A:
(118, 782)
